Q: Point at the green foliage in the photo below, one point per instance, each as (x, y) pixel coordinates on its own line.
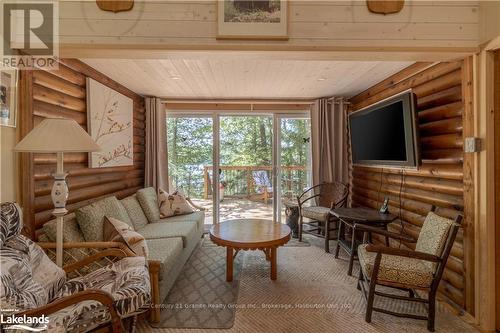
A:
(244, 141)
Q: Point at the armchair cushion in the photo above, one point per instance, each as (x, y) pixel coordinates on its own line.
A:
(91, 218)
(396, 269)
(149, 202)
(11, 223)
(433, 235)
(29, 278)
(317, 213)
(135, 212)
(126, 280)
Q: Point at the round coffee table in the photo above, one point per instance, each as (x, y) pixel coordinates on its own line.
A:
(250, 234)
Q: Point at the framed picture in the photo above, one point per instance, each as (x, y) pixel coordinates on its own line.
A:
(110, 124)
(8, 96)
(259, 19)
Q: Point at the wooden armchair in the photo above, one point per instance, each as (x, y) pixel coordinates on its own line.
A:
(322, 223)
(409, 270)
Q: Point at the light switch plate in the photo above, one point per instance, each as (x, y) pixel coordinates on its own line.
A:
(472, 145)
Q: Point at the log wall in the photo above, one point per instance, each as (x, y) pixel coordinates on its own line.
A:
(62, 93)
(441, 91)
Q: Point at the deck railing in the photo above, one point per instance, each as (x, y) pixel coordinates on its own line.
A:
(238, 181)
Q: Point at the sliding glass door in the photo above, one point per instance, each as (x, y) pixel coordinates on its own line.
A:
(239, 166)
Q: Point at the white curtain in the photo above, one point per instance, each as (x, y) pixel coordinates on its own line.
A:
(156, 166)
(330, 141)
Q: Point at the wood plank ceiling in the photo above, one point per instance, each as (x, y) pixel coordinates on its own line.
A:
(236, 77)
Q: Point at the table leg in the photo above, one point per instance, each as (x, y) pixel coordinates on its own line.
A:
(274, 272)
(229, 264)
(339, 238)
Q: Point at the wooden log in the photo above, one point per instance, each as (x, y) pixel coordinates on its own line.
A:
(48, 80)
(50, 96)
(435, 184)
(454, 295)
(139, 149)
(433, 198)
(139, 132)
(391, 81)
(44, 216)
(78, 169)
(67, 74)
(52, 159)
(445, 141)
(139, 140)
(43, 203)
(439, 84)
(445, 126)
(418, 79)
(443, 156)
(447, 96)
(43, 187)
(47, 110)
(86, 70)
(425, 170)
(440, 112)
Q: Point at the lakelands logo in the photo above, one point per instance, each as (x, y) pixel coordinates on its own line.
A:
(27, 323)
(30, 34)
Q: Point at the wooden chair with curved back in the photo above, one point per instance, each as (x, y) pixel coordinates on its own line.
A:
(321, 222)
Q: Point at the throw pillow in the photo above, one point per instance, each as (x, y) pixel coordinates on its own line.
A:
(117, 231)
(91, 218)
(173, 204)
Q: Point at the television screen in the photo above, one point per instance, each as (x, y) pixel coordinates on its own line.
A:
(385, 133)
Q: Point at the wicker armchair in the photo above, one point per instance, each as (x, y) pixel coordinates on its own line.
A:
(322, 223)
(407, 270)
(35, 286)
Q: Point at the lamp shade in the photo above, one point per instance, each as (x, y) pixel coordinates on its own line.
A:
(54, 135)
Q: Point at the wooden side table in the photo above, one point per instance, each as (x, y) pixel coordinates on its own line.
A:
(349, 217)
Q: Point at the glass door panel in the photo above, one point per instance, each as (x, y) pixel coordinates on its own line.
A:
(294, 159)
(245, 167)
(190, 159)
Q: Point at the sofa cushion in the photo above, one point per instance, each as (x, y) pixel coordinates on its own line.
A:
(166, 251)
(71, 234)
(118, 231)
(127, 280)
(396, 269)
(172, 204)
(198, 217)
(91, 218)
(11, 221)
(185, 230)
(135, 212)
(149, 202)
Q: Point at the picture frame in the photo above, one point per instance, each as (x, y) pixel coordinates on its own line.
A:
(110, 123)
(9, 78)
(252, 20)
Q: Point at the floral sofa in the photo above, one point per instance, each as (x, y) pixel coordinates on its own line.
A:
(33, 285)
(170, 241)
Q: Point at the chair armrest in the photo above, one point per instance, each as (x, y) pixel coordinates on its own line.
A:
(366, 228)
(88, 295)
(194, 205)
(402, 253)
(117, 253)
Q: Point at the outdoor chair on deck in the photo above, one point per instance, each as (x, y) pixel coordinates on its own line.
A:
(407, 270)
(263, 184)
(322, 224)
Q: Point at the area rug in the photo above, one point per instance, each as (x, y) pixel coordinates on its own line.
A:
(312, 294)
(201, 297)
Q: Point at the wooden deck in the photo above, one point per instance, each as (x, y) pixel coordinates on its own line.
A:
(236, 208)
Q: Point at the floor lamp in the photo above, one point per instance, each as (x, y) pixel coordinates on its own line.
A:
(58, 135)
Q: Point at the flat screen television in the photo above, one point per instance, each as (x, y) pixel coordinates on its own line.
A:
(385, 133)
